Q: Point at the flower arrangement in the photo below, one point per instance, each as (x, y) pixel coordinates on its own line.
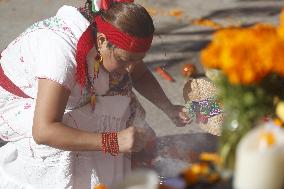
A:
(250, 78)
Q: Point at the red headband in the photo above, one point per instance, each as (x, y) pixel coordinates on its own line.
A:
(123, 40)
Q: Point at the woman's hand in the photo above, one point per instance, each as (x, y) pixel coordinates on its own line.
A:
(132, 139)
(177, 114)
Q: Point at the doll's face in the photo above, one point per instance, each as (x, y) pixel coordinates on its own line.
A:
(118, 60)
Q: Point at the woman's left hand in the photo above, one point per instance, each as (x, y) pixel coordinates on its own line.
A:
(178, 116)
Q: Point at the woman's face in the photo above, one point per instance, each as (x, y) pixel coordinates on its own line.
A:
(119, 60)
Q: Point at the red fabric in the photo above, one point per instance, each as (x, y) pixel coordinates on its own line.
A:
(85, 44)
(122, 40)
(105, 4)
(9, 86)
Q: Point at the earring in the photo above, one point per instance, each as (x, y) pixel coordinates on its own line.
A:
(98, 62)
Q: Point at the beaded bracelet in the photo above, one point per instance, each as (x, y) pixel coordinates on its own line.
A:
(110, 143)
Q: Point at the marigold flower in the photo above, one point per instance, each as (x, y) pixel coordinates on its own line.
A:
(176, 13)
(207, 23)
(281, 26)
(245, 55)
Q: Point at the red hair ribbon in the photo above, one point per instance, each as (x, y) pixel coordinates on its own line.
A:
(122, 40)
(105, 4)
(84, 45)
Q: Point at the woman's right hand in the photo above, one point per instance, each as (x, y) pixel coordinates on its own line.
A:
(132, 139)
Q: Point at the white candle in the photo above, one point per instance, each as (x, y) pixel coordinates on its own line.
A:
(141, 179)
(259, 166)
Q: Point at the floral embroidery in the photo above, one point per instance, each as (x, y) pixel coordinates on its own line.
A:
(119, 85)
(6, 96)
(26, 87)
(9, 126)
(22, 59)
(27, 106)
(201, 111)
(54, 23)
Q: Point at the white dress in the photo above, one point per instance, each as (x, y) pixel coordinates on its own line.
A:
(47, 50)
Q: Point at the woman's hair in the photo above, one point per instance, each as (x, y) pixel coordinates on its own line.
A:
(130, 18)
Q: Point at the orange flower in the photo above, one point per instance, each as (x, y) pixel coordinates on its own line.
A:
(281, 27)
(207, 23)
(211, 56)
(245, 55)
(176, 13)
(277, 57)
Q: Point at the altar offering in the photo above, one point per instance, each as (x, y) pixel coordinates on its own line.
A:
(260, 159)
(140, 179)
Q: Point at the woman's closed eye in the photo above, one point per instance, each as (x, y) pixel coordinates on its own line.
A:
(122, 62)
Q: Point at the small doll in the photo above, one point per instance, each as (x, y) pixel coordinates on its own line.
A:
(201, 104)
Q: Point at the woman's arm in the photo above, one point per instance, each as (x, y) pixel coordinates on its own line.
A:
(147, 85)
(49, 130)
(47, 126)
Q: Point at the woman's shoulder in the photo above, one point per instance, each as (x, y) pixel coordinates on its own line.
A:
(68, 24)
(73, 19)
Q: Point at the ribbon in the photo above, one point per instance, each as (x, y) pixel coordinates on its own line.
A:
(98, 5)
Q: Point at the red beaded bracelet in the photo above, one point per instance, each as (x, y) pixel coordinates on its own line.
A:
(110, 143)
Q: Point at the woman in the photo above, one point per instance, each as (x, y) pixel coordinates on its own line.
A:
(66, 96)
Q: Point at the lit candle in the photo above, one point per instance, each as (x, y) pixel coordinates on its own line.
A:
(260, 160)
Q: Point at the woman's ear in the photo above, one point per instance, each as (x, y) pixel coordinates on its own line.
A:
(101, 40)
